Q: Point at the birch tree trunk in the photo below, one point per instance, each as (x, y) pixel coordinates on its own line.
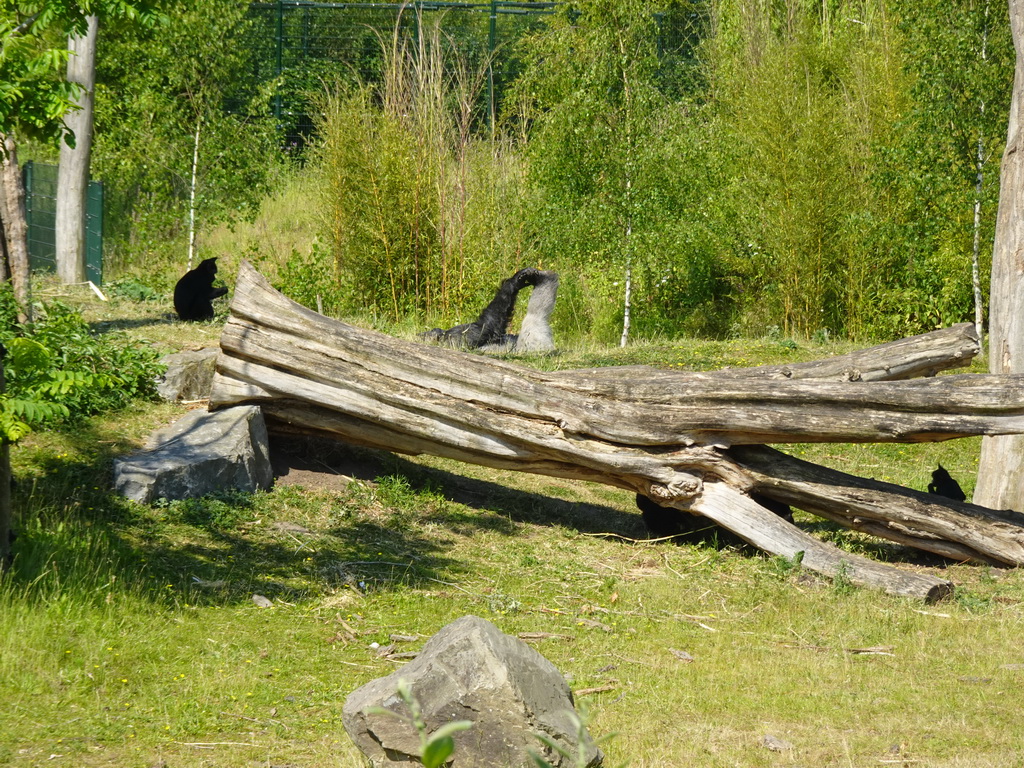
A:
(1001, 469)
(73, 172)
(192, 195)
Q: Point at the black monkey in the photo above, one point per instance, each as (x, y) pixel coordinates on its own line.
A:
(194, 292)
(943, 484)
(491, 327)
(663, 522)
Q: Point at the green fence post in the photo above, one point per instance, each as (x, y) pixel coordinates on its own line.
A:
(27, 179)
(94, 233)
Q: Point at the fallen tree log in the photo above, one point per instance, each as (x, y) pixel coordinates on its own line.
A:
(677, 439)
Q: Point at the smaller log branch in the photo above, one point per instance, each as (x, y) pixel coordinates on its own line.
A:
(764, 529)
(924, 355)
(926, 521)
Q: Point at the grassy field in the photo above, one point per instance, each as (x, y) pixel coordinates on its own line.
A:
(129, 636)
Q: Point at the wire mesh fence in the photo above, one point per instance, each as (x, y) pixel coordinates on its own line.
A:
(307, 46)
(41, 214)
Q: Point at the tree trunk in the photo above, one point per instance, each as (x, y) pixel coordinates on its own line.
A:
(15, 227)
(192, 195)
(6, 516)
(73, 171)
(677, 438)
(1001, 468)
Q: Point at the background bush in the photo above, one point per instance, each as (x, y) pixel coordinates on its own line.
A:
(700, 167)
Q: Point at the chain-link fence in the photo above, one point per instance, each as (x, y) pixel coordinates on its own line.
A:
(308, 45)
(41, 214)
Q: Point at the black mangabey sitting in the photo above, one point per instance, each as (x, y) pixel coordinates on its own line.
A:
(491, 327)
(194, 292)
(943, 484)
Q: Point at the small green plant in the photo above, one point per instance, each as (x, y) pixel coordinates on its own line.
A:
(216, 512)
(581, 759)
(436, 747)
(841, 583)
(786, 566)
(133, 290)
(58, 369)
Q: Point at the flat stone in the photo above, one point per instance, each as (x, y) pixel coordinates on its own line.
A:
(199, 454)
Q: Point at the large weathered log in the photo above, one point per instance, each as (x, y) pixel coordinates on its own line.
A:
(343, 363)
(665, 440)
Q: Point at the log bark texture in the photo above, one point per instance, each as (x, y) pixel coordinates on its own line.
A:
(676, 438)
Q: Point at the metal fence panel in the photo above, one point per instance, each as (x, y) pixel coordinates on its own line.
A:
(41, 214)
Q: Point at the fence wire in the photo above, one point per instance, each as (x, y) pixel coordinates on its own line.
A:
(307, 46)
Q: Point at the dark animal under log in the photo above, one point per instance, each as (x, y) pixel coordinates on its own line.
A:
(686, 441)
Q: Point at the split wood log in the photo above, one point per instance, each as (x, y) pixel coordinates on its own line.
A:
(924, 355)
(669, 437)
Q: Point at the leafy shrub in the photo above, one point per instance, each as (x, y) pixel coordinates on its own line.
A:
(59, 370)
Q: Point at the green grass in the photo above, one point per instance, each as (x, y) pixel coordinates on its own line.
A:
(129, 636)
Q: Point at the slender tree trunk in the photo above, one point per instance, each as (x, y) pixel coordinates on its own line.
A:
(15, 227)
(73, 172)
(1001, 469)
(978, 186)
(192, 195)
(6, 515)
(976, 256)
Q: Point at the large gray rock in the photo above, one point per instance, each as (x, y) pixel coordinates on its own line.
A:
(200, 453)
(470, 670)
(189, 375)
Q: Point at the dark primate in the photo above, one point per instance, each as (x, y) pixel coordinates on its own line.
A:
(194, 293)
(663, 522)
(943, 484)
(491, 327)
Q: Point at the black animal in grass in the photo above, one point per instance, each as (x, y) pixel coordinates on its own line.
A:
(664, 522)
(943, 484)
(491, 327)
(194, 292)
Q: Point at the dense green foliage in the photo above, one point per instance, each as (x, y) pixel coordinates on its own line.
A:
(34, 94)
(417, 209)
(59, 370)
(160, 93)
(707, 166)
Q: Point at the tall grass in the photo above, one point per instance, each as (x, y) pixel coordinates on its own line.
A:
(417, 205)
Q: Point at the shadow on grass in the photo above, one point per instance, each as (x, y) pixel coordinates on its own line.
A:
(76, 534)
(106, 326)
(316, 461)
(223, 549)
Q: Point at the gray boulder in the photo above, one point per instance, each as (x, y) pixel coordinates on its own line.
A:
(200, 453)
(470, 670)
(189, 375)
